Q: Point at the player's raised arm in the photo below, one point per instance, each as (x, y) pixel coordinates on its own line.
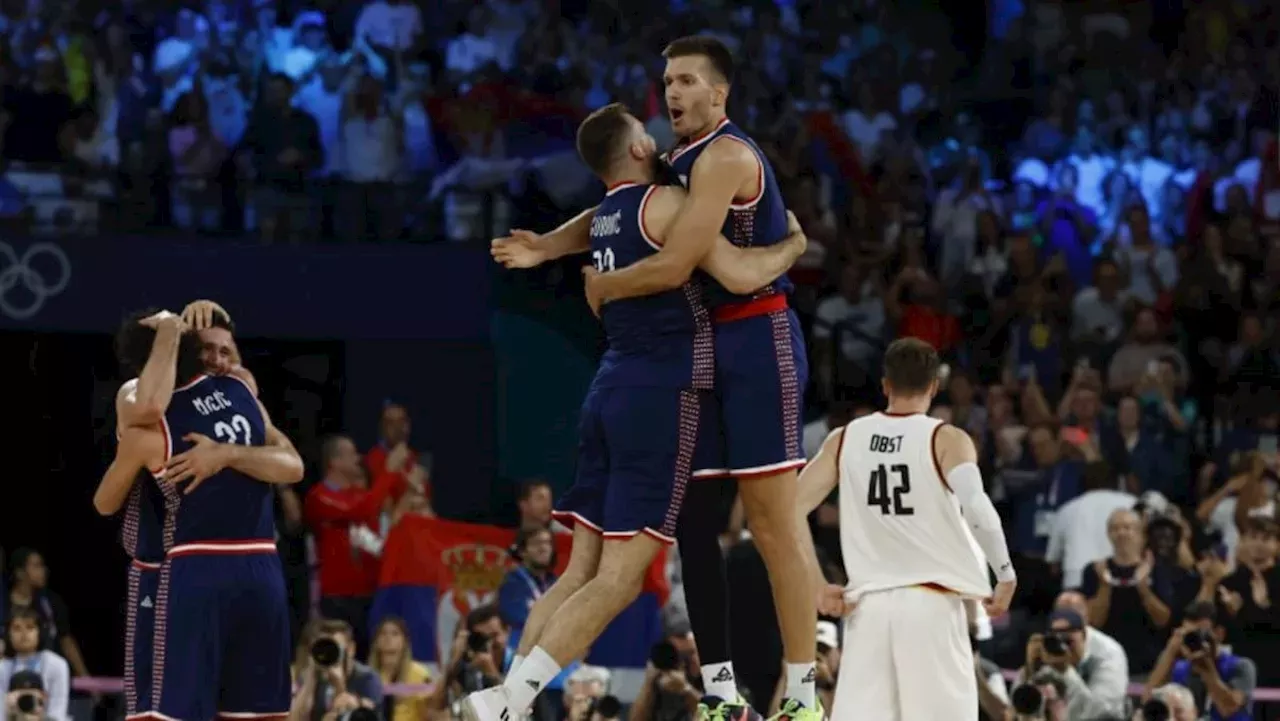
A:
(745, 270)
(523, 249)
(144, 403)
(958, 460)
(721, 170)
(138, 449)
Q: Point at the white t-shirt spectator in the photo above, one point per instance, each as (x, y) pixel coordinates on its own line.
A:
(1089, 312)
(369, 149)
(866, 131)
(858, 325)
(1141, 282)
(1090, 171)
(392, 26)
(1079, 533)
(1149, 175)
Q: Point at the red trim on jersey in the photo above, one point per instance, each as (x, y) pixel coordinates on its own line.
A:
(246, 547)
(933, 453)
(750, 309)
(931, 586)
(774, 470)
(644, 230)
(750, 202)
(623, 185)
(192, 382)
(144, 565)
(696, 140)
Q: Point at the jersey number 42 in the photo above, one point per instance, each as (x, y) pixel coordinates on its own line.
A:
(890, 500)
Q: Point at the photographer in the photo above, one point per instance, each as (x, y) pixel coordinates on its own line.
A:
(585, 690)
(1170, 702)
(479, 662)
(49, 669)
(26, 698)
(333, 686)
(1062, 653)
(1039, 700)
(666, 693)
(1220, 682)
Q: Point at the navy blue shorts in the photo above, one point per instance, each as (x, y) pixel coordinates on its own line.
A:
(143, 588)
(636, 451)
(222, 636)
(761, 374)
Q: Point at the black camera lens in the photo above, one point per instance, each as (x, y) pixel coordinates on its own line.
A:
(27, 703)
(326, 652)
(1027, 700)
(477, 642)
(608, 707)
(1055, 644)
(1196, 640)
(362, 714)
(1155, 710)
(664, 656)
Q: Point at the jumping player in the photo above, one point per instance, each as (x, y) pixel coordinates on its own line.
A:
(905, 481)
(761, 371)
(221, 621)
(640, 420)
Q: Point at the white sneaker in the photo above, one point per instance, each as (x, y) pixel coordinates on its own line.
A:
(488, 705)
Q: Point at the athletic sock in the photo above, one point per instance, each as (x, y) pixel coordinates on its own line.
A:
(800, 685)
(516, 660)
(718, 680)
(525, 683)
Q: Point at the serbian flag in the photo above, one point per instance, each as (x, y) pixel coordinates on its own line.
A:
(434, 572)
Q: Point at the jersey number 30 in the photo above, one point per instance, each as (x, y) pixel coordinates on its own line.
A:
(889, 500)
(237, 431)
(603, 259)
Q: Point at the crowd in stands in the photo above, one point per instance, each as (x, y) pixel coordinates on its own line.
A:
(1082, 215)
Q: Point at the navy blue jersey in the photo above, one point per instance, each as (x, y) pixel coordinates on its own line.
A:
(757, 221)
(142, 533)
(228, 506)
(661, 340)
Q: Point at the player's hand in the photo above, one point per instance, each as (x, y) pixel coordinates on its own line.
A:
(831, 601)
(594, 299)
(205, 458)
(164, 319)
(998, 604)
(518, 250)
(199, 314)
(397, 457)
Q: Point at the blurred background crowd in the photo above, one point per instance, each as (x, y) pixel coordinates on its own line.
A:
(1077, 203)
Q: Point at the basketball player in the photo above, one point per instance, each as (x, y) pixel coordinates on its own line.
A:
(640, 419)
(221, 631)
(908, 486)
(761, 369)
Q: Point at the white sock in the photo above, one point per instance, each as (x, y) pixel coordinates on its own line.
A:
(516, 660)
(800, 684)
(525, 683)
(718, 680)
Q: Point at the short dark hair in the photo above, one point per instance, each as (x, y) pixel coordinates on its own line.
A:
(524, 535)
(707, 46)
(911, 366)
(1253, 526)
(482, 614)
(218, 320)
(1201, 611)
(601, 136)
(133, 347)
(329, 449)
(528, 487)
(18, 561)
(23, 613)
(334, 627)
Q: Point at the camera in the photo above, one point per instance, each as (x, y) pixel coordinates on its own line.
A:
(608, 707)
(28, 702)
(1027, 700)
(477, 642)
(359, 714)
(664, 656)
(1197, 640)
(326, 652)
(1055, 644)
(1155, 710)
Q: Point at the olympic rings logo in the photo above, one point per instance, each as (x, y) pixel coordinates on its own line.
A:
(18, 271)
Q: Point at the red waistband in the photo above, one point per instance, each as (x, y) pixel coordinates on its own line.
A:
(750, 309)
(144, 565)
(223, 548)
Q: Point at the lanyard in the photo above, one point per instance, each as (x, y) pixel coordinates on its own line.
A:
(534, 587)
(1051, 497)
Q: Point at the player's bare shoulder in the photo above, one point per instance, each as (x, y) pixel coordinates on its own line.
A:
(952, 446)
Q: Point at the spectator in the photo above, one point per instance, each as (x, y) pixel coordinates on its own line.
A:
(391, 25)
(534, 504)
(1097, 311)
(29, 590)
(1129, 595)
(1144, 456)
(1068, 227)
(849, 328)
(1246, 596)
(584, 689)
(1055, 481)
(1060, 654)
(38, 112)
(392, 453)
(1220, 512)
(23, 642)
(520, 589)
(1177, 702)
(333, 682)
(1079, 534)
(1152, 270)
(284, 150)
(342, 513)
(1104, 666)
(392, 659)
(372, 145)
(1140, 354)
(480, 661)
(197, 157)
(1221, 682)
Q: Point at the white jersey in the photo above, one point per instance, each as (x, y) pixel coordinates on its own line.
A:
(899, 523)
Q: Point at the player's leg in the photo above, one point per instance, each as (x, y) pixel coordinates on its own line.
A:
(256, 655)
(932, 656)
(651, 435)
(187, 639)
(583, 561)
(866, 687)
(144, 582)
(762, 390)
